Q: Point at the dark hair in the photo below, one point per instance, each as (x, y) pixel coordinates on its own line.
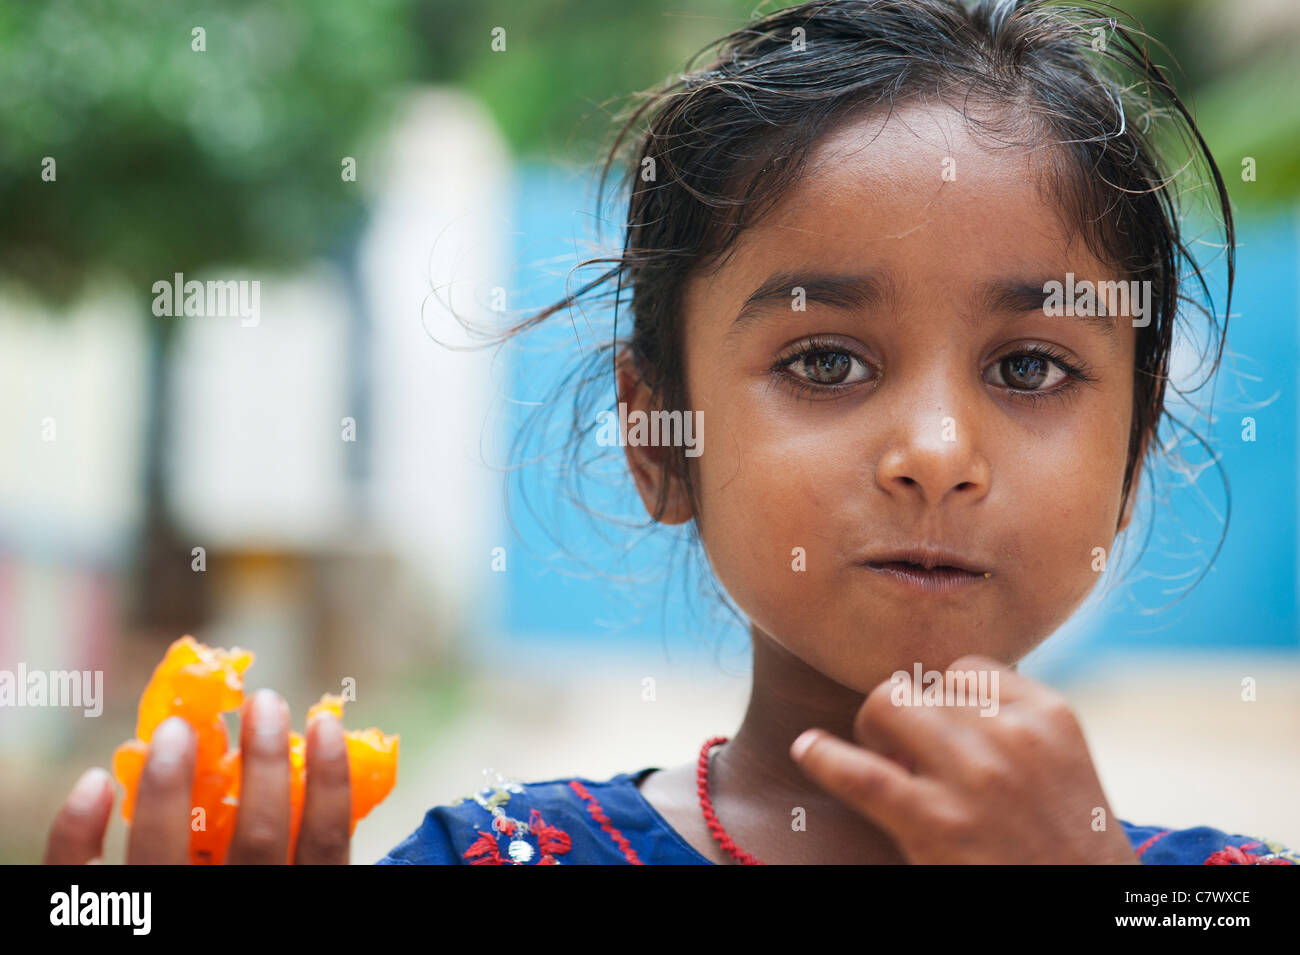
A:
(725, 142)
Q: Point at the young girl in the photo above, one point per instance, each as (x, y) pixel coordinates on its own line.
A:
(842, 241)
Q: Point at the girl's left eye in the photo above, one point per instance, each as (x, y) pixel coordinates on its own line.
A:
(1029, 371)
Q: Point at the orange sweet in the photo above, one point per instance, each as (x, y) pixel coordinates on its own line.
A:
(199, 683)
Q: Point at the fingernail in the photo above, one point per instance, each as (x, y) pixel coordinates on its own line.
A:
(87, 790)
(169, 740)
(270, 713)
(800, 745)
(329, 736)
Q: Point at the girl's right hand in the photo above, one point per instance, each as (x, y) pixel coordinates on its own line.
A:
(160, 833)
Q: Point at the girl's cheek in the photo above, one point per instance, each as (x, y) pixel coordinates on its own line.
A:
(757, 535)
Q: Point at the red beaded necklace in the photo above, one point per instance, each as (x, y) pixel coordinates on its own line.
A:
(706, 806)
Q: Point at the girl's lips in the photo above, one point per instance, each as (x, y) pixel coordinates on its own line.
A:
(916, 578)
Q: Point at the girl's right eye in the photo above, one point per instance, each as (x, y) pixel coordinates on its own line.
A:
(824, 367)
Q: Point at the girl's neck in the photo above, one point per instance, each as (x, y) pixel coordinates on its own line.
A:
(756, 786)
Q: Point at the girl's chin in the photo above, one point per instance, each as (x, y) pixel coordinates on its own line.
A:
(861, 659)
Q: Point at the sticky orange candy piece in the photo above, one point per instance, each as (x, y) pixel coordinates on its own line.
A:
(199, 683)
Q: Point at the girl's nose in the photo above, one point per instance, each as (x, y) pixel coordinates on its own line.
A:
(935, 457)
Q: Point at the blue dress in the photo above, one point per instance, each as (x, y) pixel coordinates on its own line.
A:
(586, 822)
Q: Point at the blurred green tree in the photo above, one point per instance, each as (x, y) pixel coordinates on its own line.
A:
(169, 158)
(183, 136)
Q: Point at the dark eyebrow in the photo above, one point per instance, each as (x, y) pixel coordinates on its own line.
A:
(1018, 296)
(863, 291)
(846, 292)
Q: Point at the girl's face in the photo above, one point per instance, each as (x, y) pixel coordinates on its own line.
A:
(922, 252)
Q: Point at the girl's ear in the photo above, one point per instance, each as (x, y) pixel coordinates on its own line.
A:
(647, 462)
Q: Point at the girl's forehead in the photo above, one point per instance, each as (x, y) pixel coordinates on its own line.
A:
(922, 192)
(931, 211)
(922, 127)
(933, 155)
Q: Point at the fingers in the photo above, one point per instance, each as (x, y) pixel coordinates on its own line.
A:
(924, 738)
(327, 804)
(938, 723)
(262, 824)
(77, 833)
(875, 786)
(160, 832)
(1003, 681)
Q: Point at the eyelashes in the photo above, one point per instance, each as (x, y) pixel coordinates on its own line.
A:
(1074, 374)
(797, 370)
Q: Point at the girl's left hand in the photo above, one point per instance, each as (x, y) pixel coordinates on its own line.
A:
(1016, 787)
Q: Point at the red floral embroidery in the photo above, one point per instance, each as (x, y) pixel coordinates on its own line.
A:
(484, 851)
(1230, 855)
(551, 841)
(1237, 855)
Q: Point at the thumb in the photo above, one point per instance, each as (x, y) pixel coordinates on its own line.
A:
(877, 787)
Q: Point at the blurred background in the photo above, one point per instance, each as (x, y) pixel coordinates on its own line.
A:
(327, 484)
